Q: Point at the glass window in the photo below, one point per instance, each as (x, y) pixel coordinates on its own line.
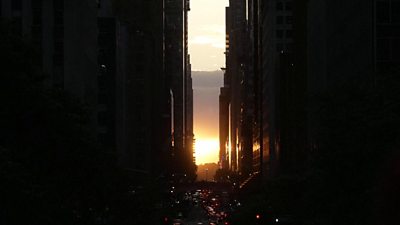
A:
(288, 6)
(383, 49)
(383, 12)
(279, 33)
(279, 6)
(289, 19)
(279, 47)
(289, 34)
(395, 12)
(16, 5)
(279, 20)
(396, 49)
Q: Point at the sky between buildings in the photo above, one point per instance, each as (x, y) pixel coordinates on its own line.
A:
(206, 47)
(207, 34)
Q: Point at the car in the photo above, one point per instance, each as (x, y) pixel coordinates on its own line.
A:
(177, 222)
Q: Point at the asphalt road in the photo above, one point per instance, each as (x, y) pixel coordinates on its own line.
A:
(197, 216)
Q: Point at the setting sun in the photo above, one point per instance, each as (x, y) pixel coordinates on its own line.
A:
(206, 151)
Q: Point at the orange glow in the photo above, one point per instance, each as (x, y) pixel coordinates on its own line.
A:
(207, 150)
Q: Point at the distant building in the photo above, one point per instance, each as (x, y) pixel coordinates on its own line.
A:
(224, 128)
(224, 102)
(189, 118)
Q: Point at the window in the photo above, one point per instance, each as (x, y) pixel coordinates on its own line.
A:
(279, 33)
(37, 17)
(383, 12)
(383, 49)
(58, 5)
(279, 6)
(396, 49)
(289, 19)
(16, 5)
(279, 20)
(58, 46)
(58, 59)
(279, 47)
(102, 117)
(288, 6)
(289, 47)
(58, 17)
(395, 12)
(289, 34)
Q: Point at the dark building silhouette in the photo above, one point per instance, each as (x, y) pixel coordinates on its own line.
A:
(140, 106)
(68, 46)
(280, 54)
(107, 60)
(189, 118)
(189, 133)
(236, 98)
(175, 69)
(358, 49)
(224, 127)
(267, 100)
(283, 84)
(113, 61)
(224, 100)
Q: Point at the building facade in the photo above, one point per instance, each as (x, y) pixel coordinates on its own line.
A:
(67, 46)
(179, 81)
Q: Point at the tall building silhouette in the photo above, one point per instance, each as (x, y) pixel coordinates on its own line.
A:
(67, 46)
(107, 60)
(177, 71)
(113, 61)
(140, 84)
(237, 95)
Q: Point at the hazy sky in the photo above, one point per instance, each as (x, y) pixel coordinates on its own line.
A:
(206, 106)
(207, 34)
(206, 47)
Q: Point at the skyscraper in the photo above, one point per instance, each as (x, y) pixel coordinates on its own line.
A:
(174, 69)
(237, 96)
(67, 46)
(178, 73)
(140, 84)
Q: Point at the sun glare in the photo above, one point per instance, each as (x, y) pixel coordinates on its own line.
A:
(206, 151)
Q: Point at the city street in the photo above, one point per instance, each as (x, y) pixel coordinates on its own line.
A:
(197, 216)
(206, 203)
